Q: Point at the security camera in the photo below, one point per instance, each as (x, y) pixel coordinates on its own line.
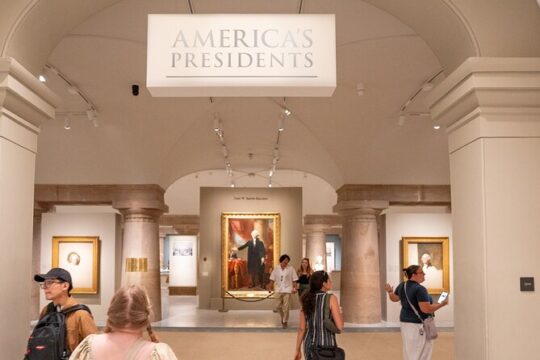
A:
(135, 90)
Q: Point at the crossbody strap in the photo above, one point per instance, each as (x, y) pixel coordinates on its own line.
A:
(411, 305)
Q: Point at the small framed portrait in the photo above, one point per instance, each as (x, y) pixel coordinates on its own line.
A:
(250, 251)
(432, 254)
(80, 256)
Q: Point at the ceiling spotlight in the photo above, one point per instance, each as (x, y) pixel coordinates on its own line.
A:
(401, 119)
(428, 86)
(360, 89)
(233, 184)
(42, 78)
(72, 90)
(287, 112)
(91, 114)
(270, 184)
(67, 123)
(436, 127)
(281, 125)
(217, 122)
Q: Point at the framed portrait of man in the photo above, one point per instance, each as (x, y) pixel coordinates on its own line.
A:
(250, 251)
(432, 254)
(80, 256)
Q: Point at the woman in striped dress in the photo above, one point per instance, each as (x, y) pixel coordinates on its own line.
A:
(311, 330)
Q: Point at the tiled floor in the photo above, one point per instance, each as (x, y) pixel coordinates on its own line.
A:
(182, 312)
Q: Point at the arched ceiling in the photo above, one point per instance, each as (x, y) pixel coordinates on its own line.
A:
(392, 47)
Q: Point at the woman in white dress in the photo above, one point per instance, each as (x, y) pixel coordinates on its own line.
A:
(128, 318)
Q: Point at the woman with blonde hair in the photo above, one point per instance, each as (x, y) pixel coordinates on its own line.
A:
(128, 317)
(304, 273)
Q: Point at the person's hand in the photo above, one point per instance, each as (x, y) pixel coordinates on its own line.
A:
(445, 302)
(294, 290)
(388, 288)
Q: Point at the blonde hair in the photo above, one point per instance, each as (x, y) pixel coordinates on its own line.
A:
(130, 309)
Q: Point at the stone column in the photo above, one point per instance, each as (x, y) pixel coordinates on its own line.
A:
(25, 104)
(315, 244)
(491, 110)
(360, 275)
(140, 247)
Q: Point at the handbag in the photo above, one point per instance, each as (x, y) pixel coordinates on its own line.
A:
(328, 322)
(428, 324)
(326, 353)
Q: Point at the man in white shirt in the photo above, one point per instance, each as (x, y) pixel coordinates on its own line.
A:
(284, 279)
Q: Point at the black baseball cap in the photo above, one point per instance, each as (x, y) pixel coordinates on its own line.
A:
(55, 273)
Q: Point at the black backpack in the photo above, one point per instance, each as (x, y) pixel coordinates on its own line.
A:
(48, 340)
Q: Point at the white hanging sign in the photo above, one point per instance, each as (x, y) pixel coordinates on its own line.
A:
(241, 55)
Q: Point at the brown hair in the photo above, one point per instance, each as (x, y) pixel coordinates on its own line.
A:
(411, 270)
(130, 309)
(308, 270)
(315, 285)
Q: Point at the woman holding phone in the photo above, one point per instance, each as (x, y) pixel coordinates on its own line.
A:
(415, 344)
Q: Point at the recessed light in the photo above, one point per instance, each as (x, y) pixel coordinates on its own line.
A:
(436, 127)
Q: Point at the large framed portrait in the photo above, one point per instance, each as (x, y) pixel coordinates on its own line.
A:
(250, 251)
(80, 256)
(432, 254)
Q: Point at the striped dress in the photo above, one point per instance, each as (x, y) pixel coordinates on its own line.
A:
(317, 334)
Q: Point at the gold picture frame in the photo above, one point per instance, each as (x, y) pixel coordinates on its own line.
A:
(246, 267)
(432, 253)
(80, 256)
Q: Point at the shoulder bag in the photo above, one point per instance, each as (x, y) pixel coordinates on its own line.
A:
(326, 353)
(328, 321)
(429, 323)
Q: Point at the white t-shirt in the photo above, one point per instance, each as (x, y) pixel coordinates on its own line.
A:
(283, 279)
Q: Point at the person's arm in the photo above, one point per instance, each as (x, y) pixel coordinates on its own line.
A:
(241, 247)
(270, 285)
(294, 281)
(390, 290)
(300, 336)
(428, 308)
(336, 312)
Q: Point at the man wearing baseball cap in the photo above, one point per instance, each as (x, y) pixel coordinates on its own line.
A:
(57, 286)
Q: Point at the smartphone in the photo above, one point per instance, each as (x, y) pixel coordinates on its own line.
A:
(443, 297)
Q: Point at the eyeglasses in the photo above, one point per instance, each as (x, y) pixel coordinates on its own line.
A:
(47, 283)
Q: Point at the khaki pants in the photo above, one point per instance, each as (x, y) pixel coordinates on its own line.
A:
(283, 306)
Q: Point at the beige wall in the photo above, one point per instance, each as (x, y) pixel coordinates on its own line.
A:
(214, 201)
(496, 202)
(107, 227)
(434, 222)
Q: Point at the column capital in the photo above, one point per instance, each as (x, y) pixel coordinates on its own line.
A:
(24, 96)
(314, 228)
(489, 97)
(362, 208)
(126, 198)
(179, 224)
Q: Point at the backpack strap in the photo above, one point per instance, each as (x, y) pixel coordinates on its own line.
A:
(77, 307)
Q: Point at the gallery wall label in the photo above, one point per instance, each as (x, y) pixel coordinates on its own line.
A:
(241, 55)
